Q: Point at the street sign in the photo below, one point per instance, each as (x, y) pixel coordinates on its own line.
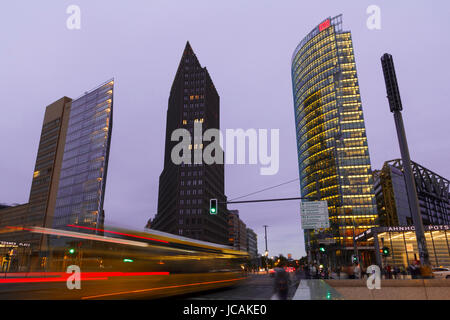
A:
(327, 241)
(314, 214)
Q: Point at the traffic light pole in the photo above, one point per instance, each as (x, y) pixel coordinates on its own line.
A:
(268, 200)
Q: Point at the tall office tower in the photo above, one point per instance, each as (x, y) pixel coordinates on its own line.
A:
(82, 179)
(48, 163)
(39, 209)
(69, 175)
(185, 189)
(333, 154)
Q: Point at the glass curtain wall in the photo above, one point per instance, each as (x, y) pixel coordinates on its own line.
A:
(333, 154)
(83, 174)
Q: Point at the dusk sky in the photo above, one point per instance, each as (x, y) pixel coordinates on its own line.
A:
(247, 48)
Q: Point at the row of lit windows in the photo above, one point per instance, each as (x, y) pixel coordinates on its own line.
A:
(318, 73)
(201, 120)
(312, 49)
(316, 65)
(322, 110)
(320, 119)
(299, 74)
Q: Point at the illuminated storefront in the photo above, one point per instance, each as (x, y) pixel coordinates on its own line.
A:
(402, 244)
(332, 147)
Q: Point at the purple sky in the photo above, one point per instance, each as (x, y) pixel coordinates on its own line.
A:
(247, 48)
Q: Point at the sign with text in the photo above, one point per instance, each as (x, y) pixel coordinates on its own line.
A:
(327, 241)
(314, 214)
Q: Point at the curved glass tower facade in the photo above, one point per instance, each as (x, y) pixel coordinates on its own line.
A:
(333, 154)
(82, 180)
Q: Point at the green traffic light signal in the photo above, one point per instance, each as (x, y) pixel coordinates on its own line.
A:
(322, 248)
(385, 251)
(71, 250)
(213, 206)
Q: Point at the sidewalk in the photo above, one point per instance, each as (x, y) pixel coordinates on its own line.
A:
(316, 290)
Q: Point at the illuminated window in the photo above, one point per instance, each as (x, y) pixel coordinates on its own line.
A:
(36, 174)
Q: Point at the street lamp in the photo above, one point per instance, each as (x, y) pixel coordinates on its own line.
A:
(395, 105)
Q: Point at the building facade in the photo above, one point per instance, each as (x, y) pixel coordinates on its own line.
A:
(65, 161)
(402, 244)
(333, 155)
(82, 180)
(392, 199)
(237, 231)
(40, 207)
(185, 189)
(252, 243)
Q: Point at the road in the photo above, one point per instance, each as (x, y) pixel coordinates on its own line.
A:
(256, 287)
(183, 286)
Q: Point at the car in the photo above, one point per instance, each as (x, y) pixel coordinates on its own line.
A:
(441, 273)
(289, 269)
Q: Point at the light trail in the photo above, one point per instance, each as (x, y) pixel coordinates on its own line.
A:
(159, 288)
(62, 276)
(115, 232)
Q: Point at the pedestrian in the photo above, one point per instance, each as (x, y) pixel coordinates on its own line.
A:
(306, 271)
(388, 272)
(281, 283)
(357, 271)
(313, 273)
(396, 272)
(351, 272)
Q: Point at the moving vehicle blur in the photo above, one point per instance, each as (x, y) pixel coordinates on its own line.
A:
(118, 263)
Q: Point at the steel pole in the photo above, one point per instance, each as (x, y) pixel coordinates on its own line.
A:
(395, 105)
(411, 190)
(267, 252)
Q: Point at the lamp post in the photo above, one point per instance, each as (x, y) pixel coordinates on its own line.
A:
(267, 251)
(395, 105)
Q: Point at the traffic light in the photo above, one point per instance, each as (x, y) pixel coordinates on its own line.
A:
(354, 258)
(385, 251)
(71, 250)
(322, 248)
(213, 206)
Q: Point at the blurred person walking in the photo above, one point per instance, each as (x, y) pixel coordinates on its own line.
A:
(281, 282)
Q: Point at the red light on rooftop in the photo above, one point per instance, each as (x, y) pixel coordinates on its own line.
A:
(324, 25)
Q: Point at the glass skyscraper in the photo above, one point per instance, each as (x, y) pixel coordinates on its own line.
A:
(333, 154)
(82, 180)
